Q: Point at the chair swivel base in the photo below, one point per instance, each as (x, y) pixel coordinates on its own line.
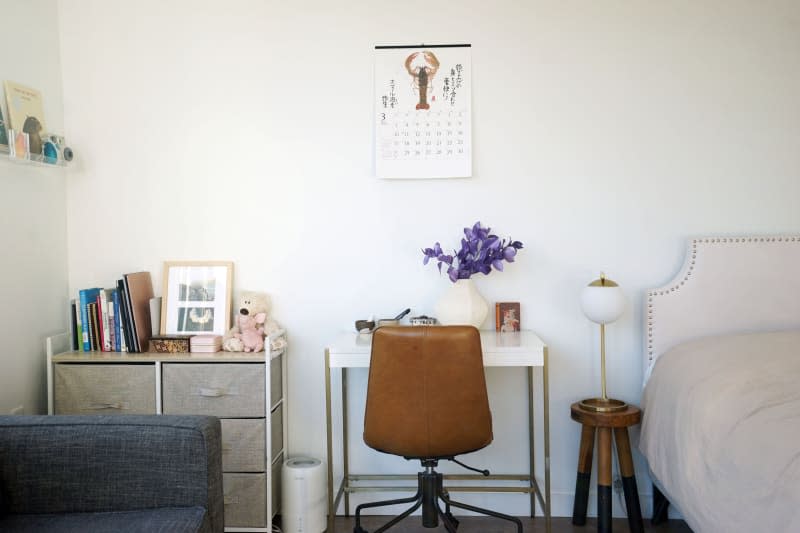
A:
(429, 491)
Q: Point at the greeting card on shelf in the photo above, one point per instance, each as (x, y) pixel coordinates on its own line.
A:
(23, 103)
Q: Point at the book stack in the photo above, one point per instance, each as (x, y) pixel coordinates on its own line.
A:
(205, 343)
(115, 319)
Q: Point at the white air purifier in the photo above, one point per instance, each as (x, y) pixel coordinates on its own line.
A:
(303, 496)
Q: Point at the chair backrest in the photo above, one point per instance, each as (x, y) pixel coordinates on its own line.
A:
(426, 396)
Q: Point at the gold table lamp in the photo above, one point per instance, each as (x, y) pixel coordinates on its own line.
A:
(603, 302)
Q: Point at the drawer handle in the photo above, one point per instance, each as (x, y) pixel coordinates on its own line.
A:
(230, 500)
(226, 448)
(216, 392)
(210, 392)
(109, 405)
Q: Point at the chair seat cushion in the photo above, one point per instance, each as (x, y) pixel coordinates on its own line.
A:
(166, 520)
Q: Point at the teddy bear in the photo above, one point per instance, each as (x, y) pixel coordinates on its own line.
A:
(251, 331)
(251, 324)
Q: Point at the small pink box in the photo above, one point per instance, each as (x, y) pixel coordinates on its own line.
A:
(205, 343)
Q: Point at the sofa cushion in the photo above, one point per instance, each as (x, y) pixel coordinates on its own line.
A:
(95, 463)
(165, 519)
(2, 498)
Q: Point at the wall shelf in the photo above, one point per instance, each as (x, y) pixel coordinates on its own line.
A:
(30, 159)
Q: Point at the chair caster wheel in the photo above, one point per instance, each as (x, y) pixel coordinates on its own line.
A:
(359, 529)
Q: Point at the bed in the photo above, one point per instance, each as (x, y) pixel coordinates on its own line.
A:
(721, 399)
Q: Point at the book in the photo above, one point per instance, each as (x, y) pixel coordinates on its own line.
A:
(132, 344)
(92, 309)
(117, 329)
(139, 287)
(507, 316)
(75, 326)
(84, 297)
(25, 113)
(98, 309)
(125, 316)
(112, 341)
(106, 317)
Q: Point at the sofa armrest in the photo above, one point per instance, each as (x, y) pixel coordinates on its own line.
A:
(57, 464)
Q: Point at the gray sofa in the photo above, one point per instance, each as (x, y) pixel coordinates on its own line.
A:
(110, 473)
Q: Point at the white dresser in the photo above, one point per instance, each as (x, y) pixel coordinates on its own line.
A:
(245, 392)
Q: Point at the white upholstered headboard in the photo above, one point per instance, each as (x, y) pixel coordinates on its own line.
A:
(726, 285)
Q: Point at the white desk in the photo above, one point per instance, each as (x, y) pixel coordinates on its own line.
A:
(524, 349)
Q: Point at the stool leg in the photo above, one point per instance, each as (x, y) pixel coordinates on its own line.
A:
(604, 480)
(584, 476)
(628, 480)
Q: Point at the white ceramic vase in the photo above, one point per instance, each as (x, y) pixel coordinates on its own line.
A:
(460, 304)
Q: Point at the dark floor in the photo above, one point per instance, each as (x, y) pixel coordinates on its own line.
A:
(413, 524)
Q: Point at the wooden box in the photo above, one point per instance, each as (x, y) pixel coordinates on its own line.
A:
(170, 344)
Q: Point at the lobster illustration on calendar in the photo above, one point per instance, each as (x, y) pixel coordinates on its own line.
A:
(422, 67)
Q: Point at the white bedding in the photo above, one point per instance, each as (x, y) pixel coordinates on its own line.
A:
(721, 431)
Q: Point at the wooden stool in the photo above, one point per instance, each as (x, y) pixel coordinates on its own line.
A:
(604, 422)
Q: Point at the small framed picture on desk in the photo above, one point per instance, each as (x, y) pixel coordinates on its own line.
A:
(507, 316)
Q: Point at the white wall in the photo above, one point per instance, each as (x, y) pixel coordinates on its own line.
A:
(605, 134)
(33, 269)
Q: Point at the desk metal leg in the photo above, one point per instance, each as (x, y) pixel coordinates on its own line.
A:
(532, 443)
(345, 438)
(546, 400)
(329, 425)
(544, 498)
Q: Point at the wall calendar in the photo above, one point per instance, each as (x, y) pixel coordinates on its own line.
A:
(423, 111)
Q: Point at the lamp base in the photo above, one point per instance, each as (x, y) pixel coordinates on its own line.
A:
(603, 405)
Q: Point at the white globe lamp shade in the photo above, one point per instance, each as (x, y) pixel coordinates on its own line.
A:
(602, 301)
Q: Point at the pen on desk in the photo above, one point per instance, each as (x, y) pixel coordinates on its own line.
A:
(401, 315)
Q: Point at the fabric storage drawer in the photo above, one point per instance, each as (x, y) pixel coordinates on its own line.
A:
(275, 381)
(276, 419)
(243, 445)
(245, 500)
(225, 390)
(277, 471)
(95, 389)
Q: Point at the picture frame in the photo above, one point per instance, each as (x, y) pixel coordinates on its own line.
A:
(507, 317)
(196, 297)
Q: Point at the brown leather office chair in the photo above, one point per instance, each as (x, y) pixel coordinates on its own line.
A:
(426, 400)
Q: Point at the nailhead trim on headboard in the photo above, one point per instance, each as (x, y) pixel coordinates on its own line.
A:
(689, 267)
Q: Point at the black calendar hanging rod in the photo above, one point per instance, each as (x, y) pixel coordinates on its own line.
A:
(423, 45)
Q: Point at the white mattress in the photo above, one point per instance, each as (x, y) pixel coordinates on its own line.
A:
(721, 431)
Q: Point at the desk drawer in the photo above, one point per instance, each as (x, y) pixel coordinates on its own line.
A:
(243, 445)
(245, 500)
(224, 390)
(104, 389)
